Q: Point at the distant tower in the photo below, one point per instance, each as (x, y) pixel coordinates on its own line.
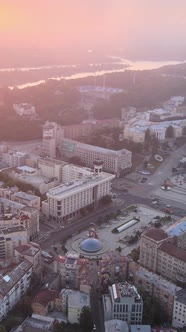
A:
(98, 166)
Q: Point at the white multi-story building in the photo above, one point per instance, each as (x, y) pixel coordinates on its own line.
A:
(14, 158)
(51, 168)
(115, 162)
(24, 109)
(13, 286)
(179, 310)
(52, 136)
(124, 303)
(10, 237)
(66, 201)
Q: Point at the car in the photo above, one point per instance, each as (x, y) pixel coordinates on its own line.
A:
(145, 172)
(94, 328)
(168, 211)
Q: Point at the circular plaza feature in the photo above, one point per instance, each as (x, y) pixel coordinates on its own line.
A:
(158, 157)
(90, 245)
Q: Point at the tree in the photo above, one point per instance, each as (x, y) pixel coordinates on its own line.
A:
(2, 328)
(11, 322)
(86, 319)
(106, 200)
(169, 132)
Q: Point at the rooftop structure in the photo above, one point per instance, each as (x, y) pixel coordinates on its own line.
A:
(125, 303)
(158, 281)
(10, 280)
(90, 245)
(172, 250)
(156, 234)
(116, 325)
(177, 228)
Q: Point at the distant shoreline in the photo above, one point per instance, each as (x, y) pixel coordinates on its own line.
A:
(94, 70)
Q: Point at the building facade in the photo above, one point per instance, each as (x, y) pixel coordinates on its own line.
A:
(32, 253)
(179, 311)
(10, 237)
(52, 136)
(116, 162)
(123, 303)
(66, 201)
(13, 286)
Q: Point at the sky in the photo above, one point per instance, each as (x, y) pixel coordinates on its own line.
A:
(130, 24)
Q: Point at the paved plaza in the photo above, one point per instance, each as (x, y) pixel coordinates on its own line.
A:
(177, 189)
(111, 241)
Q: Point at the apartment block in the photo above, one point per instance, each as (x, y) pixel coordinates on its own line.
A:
(179, 311)
(157, 287)
(32, 253)
(73, 271)
(10, 237)
(160, 254)
(14, 158)
(13, 286)
(151, 240)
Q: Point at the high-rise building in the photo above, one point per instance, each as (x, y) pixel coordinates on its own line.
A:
(52, 136)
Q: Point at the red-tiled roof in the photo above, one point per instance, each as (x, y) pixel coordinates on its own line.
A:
(60, 259)
(83, 261)
(156, 234)
(172, 250)
(45, 296)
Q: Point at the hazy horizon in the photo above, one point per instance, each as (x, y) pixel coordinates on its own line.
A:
(145, 29)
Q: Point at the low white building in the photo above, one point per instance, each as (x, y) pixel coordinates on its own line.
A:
(76, 302)
(27, 199)
(13, 286)
(24, 109)
(32, 176)
(179, 310)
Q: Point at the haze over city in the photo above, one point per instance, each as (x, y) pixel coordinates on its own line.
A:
(92, 165)
(143, 29)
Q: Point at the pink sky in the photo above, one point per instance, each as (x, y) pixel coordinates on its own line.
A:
(54, 23)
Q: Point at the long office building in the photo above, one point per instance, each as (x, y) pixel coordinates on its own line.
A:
(116, 162)
(66, 201)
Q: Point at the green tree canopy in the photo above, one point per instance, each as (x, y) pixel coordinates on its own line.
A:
(86, 319)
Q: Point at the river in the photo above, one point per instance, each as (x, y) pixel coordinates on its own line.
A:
(127, 65)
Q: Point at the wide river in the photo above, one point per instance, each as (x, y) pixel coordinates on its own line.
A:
(127, 65)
